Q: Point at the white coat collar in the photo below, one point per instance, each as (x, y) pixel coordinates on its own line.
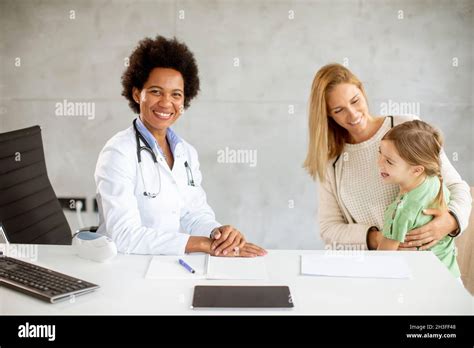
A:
(173, 138)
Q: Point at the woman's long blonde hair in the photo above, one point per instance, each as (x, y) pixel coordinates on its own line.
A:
(326, 137)
(420, 144)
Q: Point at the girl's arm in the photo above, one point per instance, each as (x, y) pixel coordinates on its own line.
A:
(388, 244)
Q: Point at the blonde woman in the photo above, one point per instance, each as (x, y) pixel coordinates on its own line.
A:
(342, 154)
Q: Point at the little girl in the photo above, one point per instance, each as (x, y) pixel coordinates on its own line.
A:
(410, 157)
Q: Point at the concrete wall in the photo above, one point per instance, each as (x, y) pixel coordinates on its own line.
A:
(415, 55)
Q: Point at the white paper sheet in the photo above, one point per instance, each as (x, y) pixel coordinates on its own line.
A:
(333, 265)
(236, 268)
(168, 267)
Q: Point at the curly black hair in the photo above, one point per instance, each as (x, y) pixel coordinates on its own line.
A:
(160, 53)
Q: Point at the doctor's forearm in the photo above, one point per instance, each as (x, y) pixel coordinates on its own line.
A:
(198, 244)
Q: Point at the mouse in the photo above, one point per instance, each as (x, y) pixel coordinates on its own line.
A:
(94, 246)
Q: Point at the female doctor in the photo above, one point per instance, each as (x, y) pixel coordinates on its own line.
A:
(148, 180)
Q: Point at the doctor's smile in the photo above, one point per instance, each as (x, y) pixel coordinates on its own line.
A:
(149, 184)
(161, 99)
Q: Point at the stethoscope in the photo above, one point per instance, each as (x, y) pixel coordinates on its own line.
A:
(147, 148)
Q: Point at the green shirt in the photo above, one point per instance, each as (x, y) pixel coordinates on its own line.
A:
(406, 213)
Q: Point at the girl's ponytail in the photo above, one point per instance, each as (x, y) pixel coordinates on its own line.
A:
(439, 202)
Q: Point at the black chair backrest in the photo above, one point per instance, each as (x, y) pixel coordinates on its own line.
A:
(29, 209)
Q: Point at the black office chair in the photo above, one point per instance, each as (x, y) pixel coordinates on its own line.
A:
(30, 212)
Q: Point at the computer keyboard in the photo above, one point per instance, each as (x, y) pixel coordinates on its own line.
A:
(41, 282)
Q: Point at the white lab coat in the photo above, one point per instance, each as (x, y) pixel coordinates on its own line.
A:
(142, 225)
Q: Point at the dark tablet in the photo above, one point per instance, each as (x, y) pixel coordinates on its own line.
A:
(242, 297)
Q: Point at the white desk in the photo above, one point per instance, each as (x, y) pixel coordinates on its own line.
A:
(124, 289)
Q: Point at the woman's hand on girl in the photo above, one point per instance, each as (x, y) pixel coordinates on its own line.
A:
(426, 236)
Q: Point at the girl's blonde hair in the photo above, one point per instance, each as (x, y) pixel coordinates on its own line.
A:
(326, 137)
(420, 144)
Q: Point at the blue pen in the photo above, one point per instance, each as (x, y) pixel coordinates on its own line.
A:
(185, 265)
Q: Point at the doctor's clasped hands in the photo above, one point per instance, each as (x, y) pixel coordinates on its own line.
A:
(228, 241)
